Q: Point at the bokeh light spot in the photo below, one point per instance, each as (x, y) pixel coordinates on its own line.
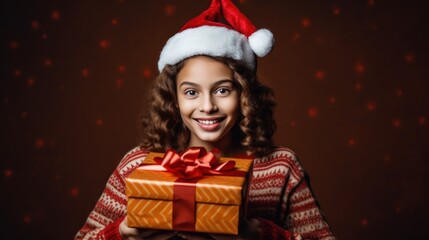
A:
(364, 222)
(305, 22)
(169, 9)
(422, 121)
(99, 122)
(119, 82)
(31, 82)
(55, 15)
(359, 68)
(8, 173)
(358, 86)
(121, 68)
(396, 123)
(336, 10)
(319, 74)
(332, 100)
(104, 43)
(35, 25)
(409, 58)
(312, 112)
(13, 44)
(40, 143)
(85, 72)
(147, 73)
(371, 106)
(74, 192)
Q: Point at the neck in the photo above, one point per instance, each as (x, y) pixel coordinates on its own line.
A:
(227, 147)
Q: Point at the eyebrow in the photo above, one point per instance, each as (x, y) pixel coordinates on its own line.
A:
(214, 84)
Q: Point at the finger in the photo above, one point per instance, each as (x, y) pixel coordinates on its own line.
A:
(194, 236)
(161, 235)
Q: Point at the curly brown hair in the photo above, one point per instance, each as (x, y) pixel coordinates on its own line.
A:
(163, 127)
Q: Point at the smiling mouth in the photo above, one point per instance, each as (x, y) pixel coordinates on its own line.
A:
(208, 122)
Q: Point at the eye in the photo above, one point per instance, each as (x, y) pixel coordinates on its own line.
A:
(191, 92)
(222, 91)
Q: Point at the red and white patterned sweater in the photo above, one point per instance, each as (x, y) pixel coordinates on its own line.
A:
(278, 195)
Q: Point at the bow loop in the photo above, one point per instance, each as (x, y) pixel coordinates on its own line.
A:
(194, 163)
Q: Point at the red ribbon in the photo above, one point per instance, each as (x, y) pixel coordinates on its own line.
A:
(194, 163)
(189, 167)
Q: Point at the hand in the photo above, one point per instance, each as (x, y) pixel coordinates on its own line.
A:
(249, 229)
(128, 233)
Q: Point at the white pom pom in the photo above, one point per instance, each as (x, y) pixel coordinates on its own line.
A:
(261, 42)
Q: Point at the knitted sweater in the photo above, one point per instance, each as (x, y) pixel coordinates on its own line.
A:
(279, 197)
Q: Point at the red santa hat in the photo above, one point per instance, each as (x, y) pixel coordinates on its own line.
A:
(206, 35)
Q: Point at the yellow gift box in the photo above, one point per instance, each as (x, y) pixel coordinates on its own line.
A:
(219, 199)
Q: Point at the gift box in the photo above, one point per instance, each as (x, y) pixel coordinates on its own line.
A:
(159, 199)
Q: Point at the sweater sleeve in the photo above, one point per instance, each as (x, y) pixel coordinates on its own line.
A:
(304, 215)
(286, 207)
(111, 208)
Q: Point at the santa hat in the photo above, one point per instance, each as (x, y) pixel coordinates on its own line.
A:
(205, 35)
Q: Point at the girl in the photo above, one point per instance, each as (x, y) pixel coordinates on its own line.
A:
(207, 95)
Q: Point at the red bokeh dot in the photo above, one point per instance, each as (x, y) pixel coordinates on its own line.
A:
(364, 222)
(332, 100)
(44, 36)
(40, 143)
(47, 62)
(320, 74)
(296, 37)
(55, 15)
(119, 82)
(121, 68)
(17, 73)
(371, 3)
(409, 57)
(85, 72)
(359, 68)
(147, 73)
(396, 123)
(293, 123)
(99, 122)
(386, 158)
(104, 44)
(358, 86)
(422, 121)
(31, 82)
(13, 44)
(26, 219)
(8, 173)
(370, 106)
(305, 22)
(35, 25)
(351, 141)
(336, 10)
(74, 191)
(24, 115)
(399, 92)
(312, 112)
(114, 21)
(169, 9)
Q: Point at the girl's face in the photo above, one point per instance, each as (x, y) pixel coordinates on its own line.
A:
(208, 101)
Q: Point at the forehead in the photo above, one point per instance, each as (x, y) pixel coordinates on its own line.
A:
(204, 69)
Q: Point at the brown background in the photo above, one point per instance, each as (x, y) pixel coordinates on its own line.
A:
(350, 80)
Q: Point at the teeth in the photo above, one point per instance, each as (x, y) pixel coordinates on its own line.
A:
(208, 122)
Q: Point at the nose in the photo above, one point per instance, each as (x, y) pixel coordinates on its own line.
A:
(208, 105)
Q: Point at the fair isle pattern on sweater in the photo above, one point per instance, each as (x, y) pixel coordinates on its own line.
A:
(278, 192)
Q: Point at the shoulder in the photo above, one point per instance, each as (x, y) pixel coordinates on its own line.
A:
(131, 160)
(281, 159)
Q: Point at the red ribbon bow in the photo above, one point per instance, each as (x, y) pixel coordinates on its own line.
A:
(194, 163)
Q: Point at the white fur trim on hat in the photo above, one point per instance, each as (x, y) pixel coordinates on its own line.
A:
(206, 40)
(261, 42)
